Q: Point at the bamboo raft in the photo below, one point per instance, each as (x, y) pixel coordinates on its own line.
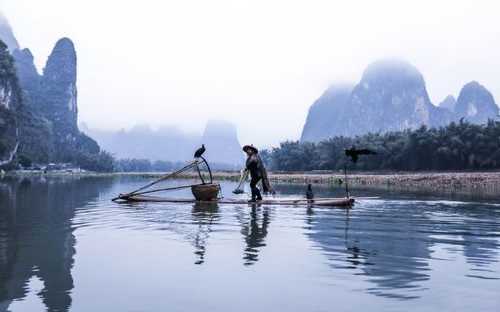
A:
(328, 202)
(207, 192)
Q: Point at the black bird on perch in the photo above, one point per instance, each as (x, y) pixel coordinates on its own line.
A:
(199, 151)
(354, 153)
(309, 192)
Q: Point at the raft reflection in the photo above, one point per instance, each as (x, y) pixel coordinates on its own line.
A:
(204, 216)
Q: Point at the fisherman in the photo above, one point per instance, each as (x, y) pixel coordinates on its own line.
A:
(257, 173)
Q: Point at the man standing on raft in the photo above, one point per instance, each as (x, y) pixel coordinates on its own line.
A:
(257, 172)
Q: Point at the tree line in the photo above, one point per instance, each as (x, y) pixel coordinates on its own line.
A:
(145, 165)
(458, 146)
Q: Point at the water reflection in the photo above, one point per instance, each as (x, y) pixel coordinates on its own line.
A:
(480, 241)
(36, 236)
(254, 230)
(388, 248)
(204, 217)
(391, 244)
(197, 226)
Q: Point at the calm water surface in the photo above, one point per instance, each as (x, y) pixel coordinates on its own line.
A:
(64, 246)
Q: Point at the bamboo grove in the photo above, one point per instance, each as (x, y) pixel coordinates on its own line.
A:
(458, 146)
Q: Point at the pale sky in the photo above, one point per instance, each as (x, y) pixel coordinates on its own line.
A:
(259, 64)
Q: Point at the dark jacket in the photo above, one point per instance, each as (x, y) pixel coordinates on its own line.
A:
(258, 171)
(254, 165)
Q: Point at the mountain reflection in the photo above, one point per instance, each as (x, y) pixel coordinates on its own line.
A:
(36, 236)
(391, 262)
(393, 246)
(480, 238)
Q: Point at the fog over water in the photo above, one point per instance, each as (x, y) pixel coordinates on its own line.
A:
(184, 62)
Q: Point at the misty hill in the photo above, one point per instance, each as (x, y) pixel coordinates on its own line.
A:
(171, 144)
(324, 119)
(476, 104)
(391, 96)
(42, 109)
(221, 140)
(141, 142)
(448, 103)
(7, 35)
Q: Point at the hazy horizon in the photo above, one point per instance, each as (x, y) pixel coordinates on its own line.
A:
(257, 64)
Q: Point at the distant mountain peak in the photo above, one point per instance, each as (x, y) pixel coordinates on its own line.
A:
(391, 96)
(26, 53)
(47, 125)
(221, 140)
(476, 104)
(324, 116)
(65, 43)
(59, 84)
(392, 71)
(339, 87)
(223, 128)
(7, 35)
(28, 75)
(62, 60)
(448, 103)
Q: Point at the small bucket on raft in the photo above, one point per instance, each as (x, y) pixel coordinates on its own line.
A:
(205, 192)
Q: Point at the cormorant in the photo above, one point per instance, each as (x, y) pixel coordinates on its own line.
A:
(199, 151)
(354, 153)
(309, 192)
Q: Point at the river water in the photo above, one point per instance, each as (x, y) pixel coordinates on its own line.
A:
(64, 246)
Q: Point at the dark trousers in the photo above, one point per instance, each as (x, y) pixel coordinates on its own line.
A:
(255, 189)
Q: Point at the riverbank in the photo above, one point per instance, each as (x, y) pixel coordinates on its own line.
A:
(472, 184)
(480, 184)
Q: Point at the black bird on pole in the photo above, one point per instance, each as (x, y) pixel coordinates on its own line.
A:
(199, 151)
(354, 153)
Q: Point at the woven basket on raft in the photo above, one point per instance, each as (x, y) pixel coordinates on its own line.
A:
(205, 192)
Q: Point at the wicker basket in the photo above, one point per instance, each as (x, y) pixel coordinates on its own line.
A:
(205, 192)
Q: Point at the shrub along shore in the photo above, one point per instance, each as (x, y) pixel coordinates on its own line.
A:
(475, 184)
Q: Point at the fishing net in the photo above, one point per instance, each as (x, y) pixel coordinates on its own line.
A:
(198, 173)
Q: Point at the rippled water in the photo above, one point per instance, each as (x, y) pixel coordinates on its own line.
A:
(64, 246)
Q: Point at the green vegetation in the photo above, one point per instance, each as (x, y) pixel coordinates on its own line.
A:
(99, 162)
(35, 122)
(35, 135)
(458, 146)
(9, 102)
(7, 69)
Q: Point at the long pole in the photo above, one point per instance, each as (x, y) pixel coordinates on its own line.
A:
(199, 174)
(209, 170)
(165, 189)
(346, 183)
(193, 163)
